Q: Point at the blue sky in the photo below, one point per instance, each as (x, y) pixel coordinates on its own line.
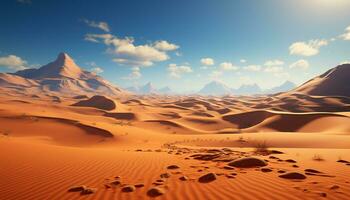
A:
(181, 44)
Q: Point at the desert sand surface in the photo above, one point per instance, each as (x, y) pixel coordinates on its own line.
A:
(159, 147)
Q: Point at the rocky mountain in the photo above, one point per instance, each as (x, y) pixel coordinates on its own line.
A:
(285, 87)
(60, 76)
(149, 88)
(215, 88)
(247, 89)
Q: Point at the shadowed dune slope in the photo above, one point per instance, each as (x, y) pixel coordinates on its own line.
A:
(257, 121)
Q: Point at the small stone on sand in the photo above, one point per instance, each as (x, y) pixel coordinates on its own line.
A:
(155, 191)
(87, 191)
(139, 185)
(207, 178)
(77, 188)
(293, 175)
(183, 178)
(173, 167)
(265, 169)
(248, 162)
(128, 188)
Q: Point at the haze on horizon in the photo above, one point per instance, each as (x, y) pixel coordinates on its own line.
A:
(183, 45)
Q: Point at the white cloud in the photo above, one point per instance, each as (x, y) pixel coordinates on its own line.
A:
(346, 35)
(300, 64)
(227, 66)
(253, 68)
(176, 71)
(274, 63)
(127, 53)
(165, 46)
(310, 48)
(94, 68)
(207, 61)
(243, 61)
(13, 62)
(135, 74)
(101, 25)
(97, 70)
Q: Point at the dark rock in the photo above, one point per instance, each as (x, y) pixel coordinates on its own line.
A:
(173, 167)
(207, 178)
(293, 175)
(290, 161)
(248, 162)
(77, 188)
(155, 191)
(265, 169)
(128, 188)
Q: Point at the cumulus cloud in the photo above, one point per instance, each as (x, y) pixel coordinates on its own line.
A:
(253, 68)
(243, 61)
(127, 53)
(13, 62)
(274, 63)
(300, 64)
(97, 70)
(165, 46)
(176, 71)
(94, 68)
(309, 48)
(207, 61)
(227, 66)
(100, 25)
(135, 74)
(346, 35)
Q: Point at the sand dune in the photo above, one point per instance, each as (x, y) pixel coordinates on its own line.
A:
(121, 148)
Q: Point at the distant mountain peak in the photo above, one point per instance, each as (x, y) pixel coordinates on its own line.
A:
(63, 66)
(64, 75)
(215, 88)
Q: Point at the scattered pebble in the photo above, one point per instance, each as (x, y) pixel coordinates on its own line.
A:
(173, 167)
(139, 185)
(334, 187)
(343, 161)
(293, 175)
(207, 178)
(87, 191)
(248, 162)
(115, 182)
(323, 194)
(155, 191)
(183, 178)
(165, 175)
(77, 188)
(312, 171)
(265, 169)
(128, 188)
(290, 161)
